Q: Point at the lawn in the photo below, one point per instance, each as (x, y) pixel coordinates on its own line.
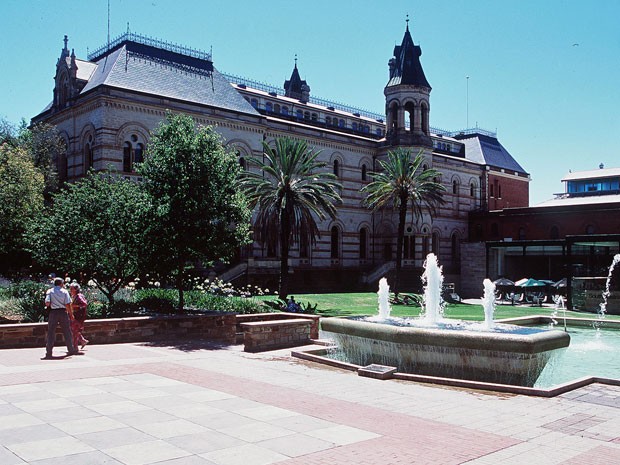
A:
(366, 303)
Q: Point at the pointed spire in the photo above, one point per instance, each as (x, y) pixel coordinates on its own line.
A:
(295, 87)
(405, 67)
(64, 53)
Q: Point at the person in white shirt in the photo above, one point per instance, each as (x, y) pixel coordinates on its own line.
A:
(58, 300)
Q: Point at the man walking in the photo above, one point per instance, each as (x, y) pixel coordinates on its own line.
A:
(58, 300)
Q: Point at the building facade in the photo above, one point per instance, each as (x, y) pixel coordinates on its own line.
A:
(573, 237)
(106, 106)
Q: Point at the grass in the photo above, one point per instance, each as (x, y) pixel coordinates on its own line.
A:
(365, 303)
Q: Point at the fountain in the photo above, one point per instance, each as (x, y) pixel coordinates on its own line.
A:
(384, 299)
(606, 293)
(435, 346)
(488, 303)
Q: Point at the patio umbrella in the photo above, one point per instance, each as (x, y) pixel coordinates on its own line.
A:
(520, 281)
(559, 284)
(503, 282)
(531, 282)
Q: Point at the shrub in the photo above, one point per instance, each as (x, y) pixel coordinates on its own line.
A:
(157, 300)
(30, 297)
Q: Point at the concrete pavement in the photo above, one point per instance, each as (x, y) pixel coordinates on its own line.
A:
(197, 403)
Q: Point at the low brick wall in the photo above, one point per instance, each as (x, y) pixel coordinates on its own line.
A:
(269, 335)
(216, 327)
(249, 318)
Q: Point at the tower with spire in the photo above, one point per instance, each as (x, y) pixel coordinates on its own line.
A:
(295, 87)
(407, 97)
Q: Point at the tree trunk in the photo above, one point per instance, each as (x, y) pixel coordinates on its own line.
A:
(285, 234)
(402, 216)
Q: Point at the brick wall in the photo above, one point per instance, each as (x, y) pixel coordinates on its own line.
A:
(268, 335)
(473, 269)
(219, 327)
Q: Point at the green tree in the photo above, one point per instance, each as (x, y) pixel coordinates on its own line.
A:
(45, 147)
(21, 200)
(402, 182)
(290, 191)
(94, 228)
(198, 213)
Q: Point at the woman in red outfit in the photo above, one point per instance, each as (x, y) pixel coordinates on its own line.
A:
(78, 307)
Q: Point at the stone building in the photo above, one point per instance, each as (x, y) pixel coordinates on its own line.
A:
(105, 106)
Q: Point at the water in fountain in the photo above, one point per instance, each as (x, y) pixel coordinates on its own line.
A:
(488, 303)
(433, 284)
(384, 299)
(435, 346)
(603, 307)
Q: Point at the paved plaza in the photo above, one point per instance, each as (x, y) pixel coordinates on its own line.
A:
(197, 404)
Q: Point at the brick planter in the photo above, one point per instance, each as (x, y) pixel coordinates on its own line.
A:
(259, 336)
(216, 327)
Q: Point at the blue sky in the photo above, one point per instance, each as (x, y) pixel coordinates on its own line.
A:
(544, 74)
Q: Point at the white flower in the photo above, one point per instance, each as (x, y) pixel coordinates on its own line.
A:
(156, 284)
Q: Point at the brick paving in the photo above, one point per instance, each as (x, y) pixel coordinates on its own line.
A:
(197, 403)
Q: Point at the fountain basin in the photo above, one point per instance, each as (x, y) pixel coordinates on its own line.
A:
(506, 355)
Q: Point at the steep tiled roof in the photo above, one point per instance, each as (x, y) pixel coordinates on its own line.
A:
(407, 68)
(166, 74)
(487, 150)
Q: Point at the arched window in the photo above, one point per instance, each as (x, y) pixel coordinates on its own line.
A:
(243, 163)
(387, 250)
(336, 168)
(127, 150)
(454, 249)
(490, 190)
(299, 114)
(133, 152)
(276, 109)
(335, 242)
(472, 189)
(435, 244)
(424, 246)
(304, 249)
(328, 120)
(341, 123)
(363, 243)
(138, 156)
(409, 247)
(455, 187)
(424, 167)
(306, 115)
(88, 154)
(364, 172)
(315, 117)
(424, 122)
(254, 103)
(269, 107)
(410, 110)
(354, 126)
(285, 111)
(378, 132)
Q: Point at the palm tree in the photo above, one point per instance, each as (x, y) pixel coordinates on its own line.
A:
(400, 183)
(290, 192)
